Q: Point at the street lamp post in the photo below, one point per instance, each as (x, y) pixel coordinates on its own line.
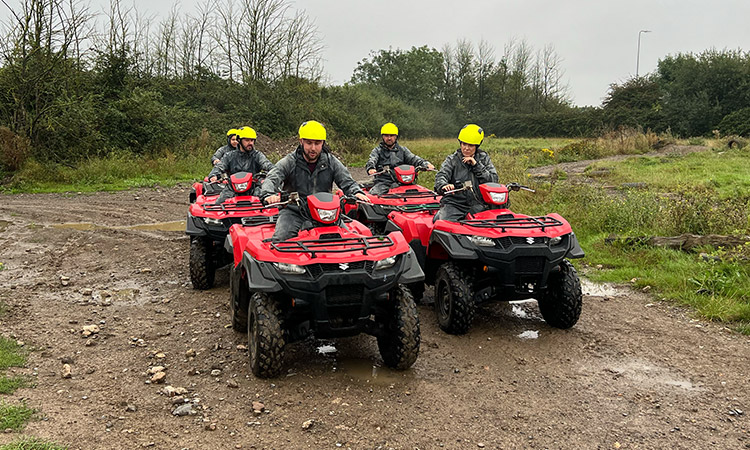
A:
(638, 55)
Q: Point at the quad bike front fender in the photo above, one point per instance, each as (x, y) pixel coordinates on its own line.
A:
(372, 213)
(574, 249)
(194, 226)
(260, 275)
(412, 270)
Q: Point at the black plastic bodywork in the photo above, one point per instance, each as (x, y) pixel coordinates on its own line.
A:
(513, 268)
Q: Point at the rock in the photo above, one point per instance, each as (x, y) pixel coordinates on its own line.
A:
(66, 360)
(146, 270)
(241, 347)
(131, 408)
(159, 377)
(190, 353)
(156, 369)
(64, 280)
(210, 427)
(183, 410)
(171, 391)
(258, 408)
(160, 355)
(88, 330)
(232, 383)
(215, 373)
(307, 424)
(87, 292)
(480, 445)
(66, 372)
(646, 288)
(20, 343)
(89, 343)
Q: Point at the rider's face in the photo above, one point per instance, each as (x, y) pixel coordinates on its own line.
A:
(311, 149)
(233, 140)
(468, 150)
(247, 144)
(389, 139)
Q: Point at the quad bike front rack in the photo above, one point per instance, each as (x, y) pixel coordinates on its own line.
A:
(510, 222)
(340, 245)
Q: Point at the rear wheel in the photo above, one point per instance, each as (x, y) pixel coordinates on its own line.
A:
(202, 267)
(239, 298)
(453, 300)
(562, 303)
(399, 346)
(265, 336)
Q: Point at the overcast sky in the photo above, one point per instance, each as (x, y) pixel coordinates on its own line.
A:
(596, 39)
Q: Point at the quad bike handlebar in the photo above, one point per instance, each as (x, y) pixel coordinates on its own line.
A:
(518, 187)
(467, 185)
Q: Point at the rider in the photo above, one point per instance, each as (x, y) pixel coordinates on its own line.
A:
(231, 145)
(390, 153)
(468, 163)
(309, 169)
(246, 159)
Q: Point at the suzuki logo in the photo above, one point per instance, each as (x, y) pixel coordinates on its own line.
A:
(529, 240)
(343, 266)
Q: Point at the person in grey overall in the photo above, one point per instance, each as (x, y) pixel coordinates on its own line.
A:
(390, 153)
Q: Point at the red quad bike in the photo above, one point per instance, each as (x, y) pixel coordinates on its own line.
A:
(215, 208)
(497, 254)
(408, 208)
(332, 280)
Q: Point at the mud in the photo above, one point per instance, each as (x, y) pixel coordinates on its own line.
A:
(633, 373)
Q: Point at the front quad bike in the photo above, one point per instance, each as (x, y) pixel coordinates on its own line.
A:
(215, 208)
(333, 279)
(497, 254)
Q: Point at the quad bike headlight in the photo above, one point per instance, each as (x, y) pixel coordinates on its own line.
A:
(289, 268)
(555, 240)
(327, 215)
(385, 263)
(498, 197)
(240, 187)
(406, 179)
(481, 241)
(212, 221)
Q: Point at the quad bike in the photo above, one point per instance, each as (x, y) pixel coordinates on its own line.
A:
(408, 208)
(497, 254)
(215, 208)
(333, 279)
(407, 196)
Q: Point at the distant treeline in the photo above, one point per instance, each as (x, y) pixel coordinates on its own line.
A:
(75, 85)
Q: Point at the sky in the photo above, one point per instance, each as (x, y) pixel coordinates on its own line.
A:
(596, 40)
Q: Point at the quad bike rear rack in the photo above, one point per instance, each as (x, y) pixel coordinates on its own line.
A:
(241, 206)
(513, 222)
(410, 195)
(414, 208)
(340, 245)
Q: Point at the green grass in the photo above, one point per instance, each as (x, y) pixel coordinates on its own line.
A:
(11, 355)
(14, 417)
(31, 443)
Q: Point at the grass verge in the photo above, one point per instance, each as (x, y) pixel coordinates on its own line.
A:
(30, 443)
(14, 417)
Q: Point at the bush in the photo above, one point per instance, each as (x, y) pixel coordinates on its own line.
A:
(13, 150)
(737, 123)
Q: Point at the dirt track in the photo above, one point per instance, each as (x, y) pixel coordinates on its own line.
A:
(633, 373)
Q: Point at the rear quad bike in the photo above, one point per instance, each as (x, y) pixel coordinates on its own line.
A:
(497, 254)
(333, 279)
(409, 206)
(214, 209)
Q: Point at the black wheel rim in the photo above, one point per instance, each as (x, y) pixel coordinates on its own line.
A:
(443, 299)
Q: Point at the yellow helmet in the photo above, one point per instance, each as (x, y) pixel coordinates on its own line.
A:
(471, 134)
(246, 133)
(312, 130)
(389, 128)
(231, 132)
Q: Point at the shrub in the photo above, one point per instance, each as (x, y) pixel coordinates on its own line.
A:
(13, 150)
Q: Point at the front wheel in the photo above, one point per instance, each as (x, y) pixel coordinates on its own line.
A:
(561, 305)
(453, 300)
(265, 336)
(202, 267)
(399, 346)
(239, 298)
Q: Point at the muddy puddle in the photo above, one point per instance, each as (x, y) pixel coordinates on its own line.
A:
(600, 289)
(4, 224)
(178, 225)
